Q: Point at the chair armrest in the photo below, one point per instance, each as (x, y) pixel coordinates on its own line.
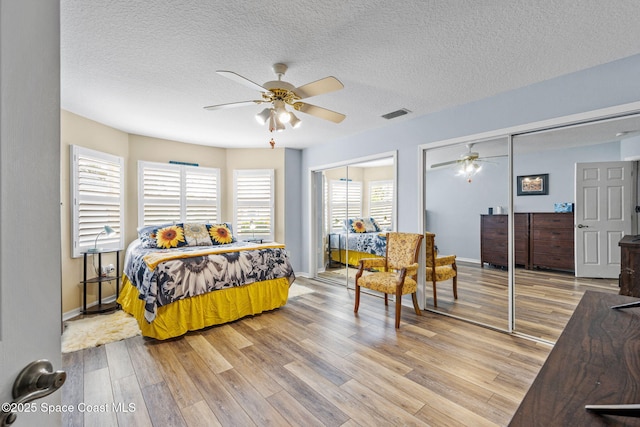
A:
(445, 260)
(412, 269)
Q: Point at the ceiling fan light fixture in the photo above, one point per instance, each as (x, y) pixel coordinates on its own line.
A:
(263, 116)
(294, 121)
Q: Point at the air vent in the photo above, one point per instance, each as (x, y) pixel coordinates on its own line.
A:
(397, 113)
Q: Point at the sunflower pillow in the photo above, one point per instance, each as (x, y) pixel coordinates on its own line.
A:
(147, 235)
(363, 225)
(220, 234)
(170, 237)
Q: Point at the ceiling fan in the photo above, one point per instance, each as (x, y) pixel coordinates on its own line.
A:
(470, 163)
(280, 93)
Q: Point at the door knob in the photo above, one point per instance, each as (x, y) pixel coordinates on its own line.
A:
(582, 226)
(36, 381)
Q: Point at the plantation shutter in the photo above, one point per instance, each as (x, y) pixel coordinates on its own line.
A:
(201, 194)
(254, 203)
(171, 193)
(381, 202)
(345, 202)
(97, 184)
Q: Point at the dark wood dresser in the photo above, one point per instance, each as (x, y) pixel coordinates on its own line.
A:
(541, 240)
(594, 362)
(551, 241)
(494, 239)
(630, 266)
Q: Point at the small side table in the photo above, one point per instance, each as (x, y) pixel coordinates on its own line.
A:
(99, 280)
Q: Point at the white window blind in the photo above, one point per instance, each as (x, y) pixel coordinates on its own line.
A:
(381, 202)
(345, 199)
(177, 193)
(97, 191)
(253, 203)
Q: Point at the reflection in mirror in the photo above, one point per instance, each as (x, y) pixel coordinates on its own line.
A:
(562, 261)
(466, 198)
(358, 205)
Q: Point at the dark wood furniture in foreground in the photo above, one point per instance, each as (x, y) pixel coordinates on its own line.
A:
(630, 266)
(596, 361)
(541, 239)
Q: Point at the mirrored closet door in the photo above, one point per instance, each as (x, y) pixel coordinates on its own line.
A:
(577, 192)
(466, 196)
(357, 205)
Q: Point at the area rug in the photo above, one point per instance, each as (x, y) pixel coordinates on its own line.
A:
(98, 330)
(296, 290)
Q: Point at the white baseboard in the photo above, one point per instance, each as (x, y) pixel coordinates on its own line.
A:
(77, 311)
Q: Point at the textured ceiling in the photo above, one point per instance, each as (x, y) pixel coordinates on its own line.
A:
(148, 66)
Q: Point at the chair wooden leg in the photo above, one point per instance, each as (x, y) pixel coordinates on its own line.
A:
(435, 297)
(414, 297)
(398, 309)
(386, 299)
(455, 287)
(357, 304)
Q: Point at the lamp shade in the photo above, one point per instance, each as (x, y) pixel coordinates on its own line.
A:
(263, 116)
(294, 121)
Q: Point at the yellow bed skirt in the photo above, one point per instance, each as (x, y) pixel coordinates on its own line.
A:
(209, 309)
(354, 257)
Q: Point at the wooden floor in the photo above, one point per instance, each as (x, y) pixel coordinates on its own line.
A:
(544, 299)
(309, 363)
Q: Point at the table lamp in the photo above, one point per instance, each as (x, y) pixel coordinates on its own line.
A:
(106, 230)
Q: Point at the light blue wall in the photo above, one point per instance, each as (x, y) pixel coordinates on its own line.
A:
(603, 86)
(630, 147)
(293, 205)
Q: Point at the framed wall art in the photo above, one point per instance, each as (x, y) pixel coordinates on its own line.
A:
(533, 185)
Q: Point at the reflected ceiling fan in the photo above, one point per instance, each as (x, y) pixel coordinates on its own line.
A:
(469, 163)
(279, 94)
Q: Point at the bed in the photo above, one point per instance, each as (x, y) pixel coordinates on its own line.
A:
(362, 238)
(186, 284)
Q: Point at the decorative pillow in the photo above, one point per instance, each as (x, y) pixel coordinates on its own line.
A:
(220, 233)
(357, 225)
(363, 225)
(170, 237)
(371, 225)
(147, 235)
(197, 234)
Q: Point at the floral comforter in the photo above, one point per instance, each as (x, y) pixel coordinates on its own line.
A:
(182, 277)
(372, 243)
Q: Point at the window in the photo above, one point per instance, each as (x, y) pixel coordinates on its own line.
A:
(97, 186)
(345, 201)
(253, 204)
(177, 193)
(381, 203)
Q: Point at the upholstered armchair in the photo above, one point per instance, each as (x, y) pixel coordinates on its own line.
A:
(397, 271)
(445, 267)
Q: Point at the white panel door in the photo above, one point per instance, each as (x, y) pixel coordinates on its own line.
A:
(603, 215)
(30, 250)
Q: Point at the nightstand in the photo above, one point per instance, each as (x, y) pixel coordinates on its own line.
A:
(99, 279)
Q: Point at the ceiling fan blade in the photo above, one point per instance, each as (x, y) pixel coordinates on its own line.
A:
(451, 162)
(320, 112)
(232, 105)
(319, 87)
(242, 80)
(491, 157)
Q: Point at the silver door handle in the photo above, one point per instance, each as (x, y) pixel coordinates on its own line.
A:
(582, 226)
(36, 381)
